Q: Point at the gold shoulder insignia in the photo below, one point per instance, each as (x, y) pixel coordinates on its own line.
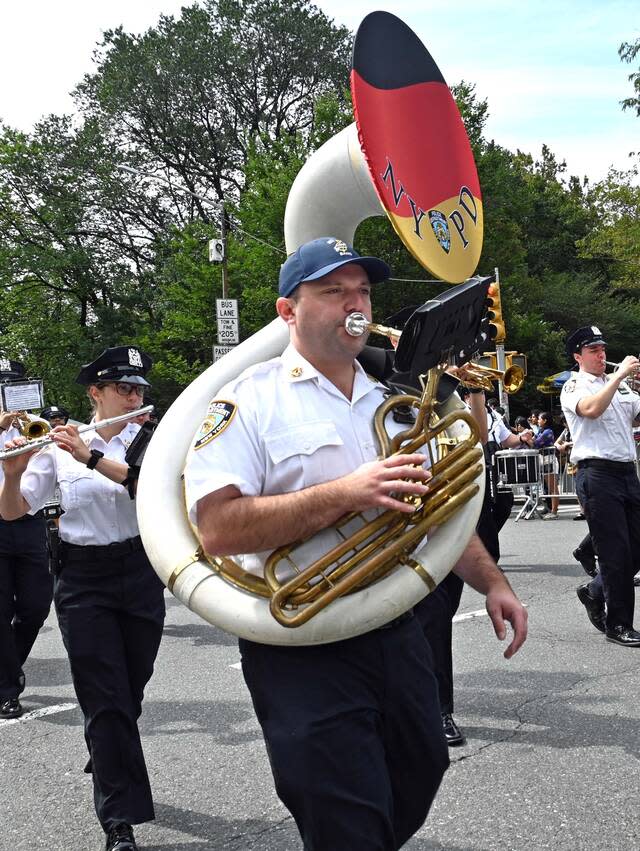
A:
(219, 415)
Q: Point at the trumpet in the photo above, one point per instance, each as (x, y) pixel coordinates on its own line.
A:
(471, 374)
(30, 426)
(474, 375)
(47, 440)
(632, 380)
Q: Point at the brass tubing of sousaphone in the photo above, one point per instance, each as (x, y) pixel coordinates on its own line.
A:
(389, 557)
(450, 487)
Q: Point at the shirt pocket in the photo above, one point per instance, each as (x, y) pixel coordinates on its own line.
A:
(305, 454)
(76, 488)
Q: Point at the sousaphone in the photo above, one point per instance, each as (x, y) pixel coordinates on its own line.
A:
(406, 156)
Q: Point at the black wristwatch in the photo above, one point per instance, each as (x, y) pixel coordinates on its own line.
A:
(95, 456)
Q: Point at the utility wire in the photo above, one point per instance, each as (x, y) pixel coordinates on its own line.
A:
(417, 280)
(215, 204)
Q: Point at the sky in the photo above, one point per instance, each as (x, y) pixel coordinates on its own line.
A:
(550, 71)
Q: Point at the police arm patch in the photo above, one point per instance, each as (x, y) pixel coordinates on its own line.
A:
(219, 415)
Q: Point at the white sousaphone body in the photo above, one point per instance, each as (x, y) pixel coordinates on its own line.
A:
(332, 194)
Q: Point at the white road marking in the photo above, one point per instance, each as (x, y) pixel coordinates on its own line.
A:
(466, 616)
(38, 713)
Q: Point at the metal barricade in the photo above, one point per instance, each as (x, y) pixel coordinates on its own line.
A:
(534, 475)
(556, 477)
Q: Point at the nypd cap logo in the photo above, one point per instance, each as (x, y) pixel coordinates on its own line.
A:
(219, 415)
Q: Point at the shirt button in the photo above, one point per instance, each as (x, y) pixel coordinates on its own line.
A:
(307, 446)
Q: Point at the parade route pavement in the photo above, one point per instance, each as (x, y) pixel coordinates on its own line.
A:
(551, 760)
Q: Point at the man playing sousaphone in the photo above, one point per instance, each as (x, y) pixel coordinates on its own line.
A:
(353, 727)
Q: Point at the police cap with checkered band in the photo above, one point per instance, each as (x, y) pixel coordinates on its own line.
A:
(119, 363)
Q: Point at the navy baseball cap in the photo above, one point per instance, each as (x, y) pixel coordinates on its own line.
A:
(590, 335)
(317, 258)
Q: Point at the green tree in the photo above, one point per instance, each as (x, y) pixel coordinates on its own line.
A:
(628, 51)
(191, 95)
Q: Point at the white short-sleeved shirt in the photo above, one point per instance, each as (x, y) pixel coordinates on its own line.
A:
(279, 427)
(5, 437)
(496, 429)
(609, 436)
(97, 510)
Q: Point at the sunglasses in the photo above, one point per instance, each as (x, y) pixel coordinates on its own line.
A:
(123, 388)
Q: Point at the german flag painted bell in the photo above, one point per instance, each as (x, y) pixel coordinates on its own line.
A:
(416, 148)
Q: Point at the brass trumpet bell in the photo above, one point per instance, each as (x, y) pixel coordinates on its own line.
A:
(475, 375)
(32, 427)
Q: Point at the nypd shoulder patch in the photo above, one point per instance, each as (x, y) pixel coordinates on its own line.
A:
(219, 415)
(569, 386)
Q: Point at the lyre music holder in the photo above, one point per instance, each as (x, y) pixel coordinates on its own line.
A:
(448, 326)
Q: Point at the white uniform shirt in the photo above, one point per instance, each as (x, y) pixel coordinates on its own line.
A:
(496, 429)
(608, 436)
(97, 510)
(5, 436)
(286, 427)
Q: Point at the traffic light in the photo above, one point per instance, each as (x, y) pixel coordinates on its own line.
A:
(497, 330)
(516, 359)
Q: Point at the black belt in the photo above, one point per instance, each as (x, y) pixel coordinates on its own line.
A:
(26, 518)
(108, 551)
(406, 616)
(609, 466)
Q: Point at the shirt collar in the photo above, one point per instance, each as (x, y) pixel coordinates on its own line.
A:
(589, 377)
(297, 369)
(93, 438)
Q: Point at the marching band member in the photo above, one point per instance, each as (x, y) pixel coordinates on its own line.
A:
(110, 603)
(600, 411)
(353, 728)
(55, 415)
(437, 610)
(26, 587)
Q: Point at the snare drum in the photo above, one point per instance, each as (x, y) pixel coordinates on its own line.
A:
(517, 467)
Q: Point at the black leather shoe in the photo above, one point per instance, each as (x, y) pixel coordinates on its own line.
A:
(588, 562)
(11, 708)
(452, 733)
(595, 609)
(120, 838)
(624, 635)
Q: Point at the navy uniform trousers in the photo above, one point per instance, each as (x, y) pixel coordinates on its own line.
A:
(26, 587)
(609, 492)
(354, 734)
(110, 607)
(435, 614)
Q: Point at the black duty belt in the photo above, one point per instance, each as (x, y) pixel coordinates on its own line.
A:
(108, 551)
(610, 466)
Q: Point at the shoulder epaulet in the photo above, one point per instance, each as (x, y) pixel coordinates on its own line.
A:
(262, 368)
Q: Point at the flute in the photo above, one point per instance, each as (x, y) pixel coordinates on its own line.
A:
(38, 443)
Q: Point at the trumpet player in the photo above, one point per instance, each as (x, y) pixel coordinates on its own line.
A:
(353, 727)
(26, 587)
(109, 601)
(600, 410)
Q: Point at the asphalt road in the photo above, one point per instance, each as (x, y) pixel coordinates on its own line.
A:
(551, 760)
